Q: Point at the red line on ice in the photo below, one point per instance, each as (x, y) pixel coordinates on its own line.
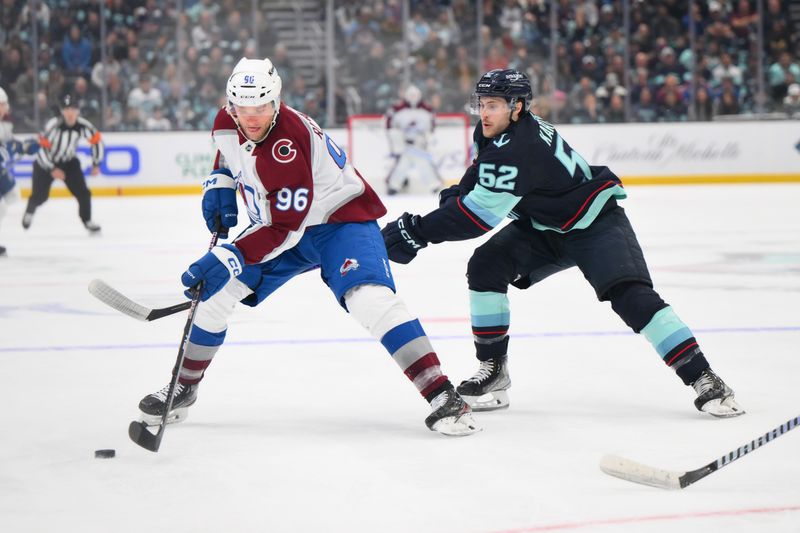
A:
(652, 518)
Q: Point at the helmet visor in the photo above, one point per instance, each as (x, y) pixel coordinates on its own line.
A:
(252, 111)
(492, 103)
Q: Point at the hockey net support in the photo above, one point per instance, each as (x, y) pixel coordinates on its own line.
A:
(368, 147)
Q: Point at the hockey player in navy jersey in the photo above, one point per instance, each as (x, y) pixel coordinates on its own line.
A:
(564, 213)
(308, 208)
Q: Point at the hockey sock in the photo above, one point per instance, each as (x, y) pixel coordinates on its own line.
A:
(676, 344)
(387, 319)
(200, 350)
(490, 321)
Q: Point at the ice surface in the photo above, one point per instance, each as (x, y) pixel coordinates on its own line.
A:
(305, 424)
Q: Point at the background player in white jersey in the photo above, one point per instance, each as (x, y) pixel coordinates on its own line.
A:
(409, 126)
(564, 214)
(9, 149)
(308, 208)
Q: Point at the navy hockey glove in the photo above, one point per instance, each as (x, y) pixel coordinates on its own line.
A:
(454, 191)
(219, 202)
(215, 270)
(402, 238)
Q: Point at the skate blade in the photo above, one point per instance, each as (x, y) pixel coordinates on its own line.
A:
(457, 426)
(723, 408)
(491, 401)
(175, 416)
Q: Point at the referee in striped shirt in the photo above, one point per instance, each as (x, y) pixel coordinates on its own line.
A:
(56, 160)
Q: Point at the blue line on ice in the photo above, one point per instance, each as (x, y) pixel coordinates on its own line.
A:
(268, 342)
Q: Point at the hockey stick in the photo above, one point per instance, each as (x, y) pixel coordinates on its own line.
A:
(137, 430)
(667, 479)
(115, 299)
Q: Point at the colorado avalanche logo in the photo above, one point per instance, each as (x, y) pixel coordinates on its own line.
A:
(283, 152)
(348, 265)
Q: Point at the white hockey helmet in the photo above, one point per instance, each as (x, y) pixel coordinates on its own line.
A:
(254, 82)
(412, 95)
(3, 96)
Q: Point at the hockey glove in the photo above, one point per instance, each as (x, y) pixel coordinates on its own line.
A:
(454, 191)
(215, 270)
(402, 238)
(219, 202)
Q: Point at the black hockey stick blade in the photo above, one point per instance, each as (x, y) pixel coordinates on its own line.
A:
(670, 479)
(116, 300)
(139, 434)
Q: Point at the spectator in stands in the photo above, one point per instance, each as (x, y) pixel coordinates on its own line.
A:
(88, 100)
(743, 21)
(791, 103)
(76, 52)
(587, 112)
(726, 68)
(157, 121)
(645, 109)
(282, 62)
(672, 109)
(703, 106)
(727, 103)
(615, 110)
(12, 65)
(145, 98)
(203, 30)
(781, 74)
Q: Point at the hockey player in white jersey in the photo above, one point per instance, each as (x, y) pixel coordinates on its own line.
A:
(308, 209)
(409, 126)
(10, 148)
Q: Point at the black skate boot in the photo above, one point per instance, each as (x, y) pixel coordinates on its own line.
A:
(2, 251)
(487, 389)
(152, 406)
(451, 415)
(93, 227)
(27, 218)
(714, 396)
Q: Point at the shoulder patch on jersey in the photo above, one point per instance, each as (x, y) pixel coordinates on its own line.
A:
(283, 152)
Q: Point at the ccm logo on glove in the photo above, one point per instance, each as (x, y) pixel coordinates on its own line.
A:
(406, 235)
(215, 270)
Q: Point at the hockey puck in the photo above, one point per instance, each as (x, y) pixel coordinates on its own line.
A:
(104, 454)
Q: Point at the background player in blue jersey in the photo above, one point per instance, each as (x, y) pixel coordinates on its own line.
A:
(564, 214)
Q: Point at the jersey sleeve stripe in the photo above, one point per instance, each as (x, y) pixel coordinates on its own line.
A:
(492, 207)
(469, 216)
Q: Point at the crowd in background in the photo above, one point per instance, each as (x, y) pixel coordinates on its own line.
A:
(145, 87)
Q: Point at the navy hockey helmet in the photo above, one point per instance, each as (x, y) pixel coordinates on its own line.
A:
(510, 84)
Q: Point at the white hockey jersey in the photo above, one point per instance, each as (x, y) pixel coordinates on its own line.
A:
(295, 178)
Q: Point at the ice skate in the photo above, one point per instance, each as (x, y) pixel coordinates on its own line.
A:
(451, 415)
(714, 396)
(93, 227)
(487, 390)
(2, 251)
(27, 218)
(152, 406)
